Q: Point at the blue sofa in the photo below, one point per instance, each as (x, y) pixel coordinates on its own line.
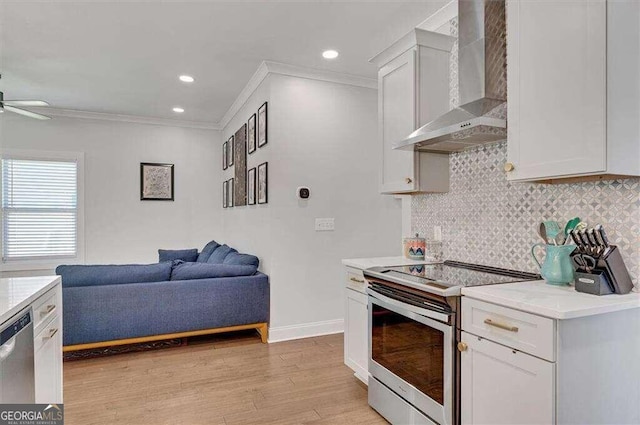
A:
(106, 305)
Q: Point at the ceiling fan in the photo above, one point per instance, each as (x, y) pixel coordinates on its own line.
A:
(11, 106)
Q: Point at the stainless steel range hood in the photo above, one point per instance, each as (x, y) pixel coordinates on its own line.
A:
(482, 84)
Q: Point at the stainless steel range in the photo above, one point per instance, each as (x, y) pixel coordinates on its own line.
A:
(414, 327)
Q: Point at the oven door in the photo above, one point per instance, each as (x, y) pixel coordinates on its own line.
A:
(411, 352)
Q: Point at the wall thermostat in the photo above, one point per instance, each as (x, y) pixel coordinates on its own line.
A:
(303, 192)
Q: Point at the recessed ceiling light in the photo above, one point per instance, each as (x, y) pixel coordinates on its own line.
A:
(186, 79)
(330, 54)
(178, 110)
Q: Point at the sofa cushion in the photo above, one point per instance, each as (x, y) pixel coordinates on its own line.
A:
(206, 251)
(241, 259)
(218, 256)
(189, 271)
(78, 275)
(187, 255)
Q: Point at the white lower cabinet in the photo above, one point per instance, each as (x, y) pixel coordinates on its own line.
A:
(47, 346)
(355, 334)
(48, 363)
(522, 368)
(501, 385)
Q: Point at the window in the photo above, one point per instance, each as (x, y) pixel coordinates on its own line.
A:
(39, 209)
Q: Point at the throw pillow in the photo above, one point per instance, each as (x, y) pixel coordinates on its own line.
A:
(218, 256)
(206, 251)
(241, 259)
(186, 255)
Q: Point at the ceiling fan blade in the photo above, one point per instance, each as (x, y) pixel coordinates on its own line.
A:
(25, 102)
(26, 113)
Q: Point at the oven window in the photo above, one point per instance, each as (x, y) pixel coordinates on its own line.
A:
(411, 350)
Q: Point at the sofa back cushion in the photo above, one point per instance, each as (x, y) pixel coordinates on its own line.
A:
(77, 275)
(206, 251)
(237, 259)
(187, 255)
(218, 256)
(189, 271)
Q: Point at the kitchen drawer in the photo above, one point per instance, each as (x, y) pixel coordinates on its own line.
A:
(355, 280)
(46, 307)
(47, 333)
(526, 332)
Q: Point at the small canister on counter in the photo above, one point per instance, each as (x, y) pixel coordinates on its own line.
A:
(414, 248)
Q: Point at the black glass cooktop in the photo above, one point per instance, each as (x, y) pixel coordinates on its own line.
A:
(454, 273)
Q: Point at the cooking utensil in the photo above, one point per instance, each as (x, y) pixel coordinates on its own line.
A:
(560, 239)
(571, 224)
(585, 240)
(552, 228)
(542, 231)
(594, 243)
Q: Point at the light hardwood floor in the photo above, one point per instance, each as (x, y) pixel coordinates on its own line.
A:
(227, 379)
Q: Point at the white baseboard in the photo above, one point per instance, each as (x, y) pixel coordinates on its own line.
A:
(305, 330)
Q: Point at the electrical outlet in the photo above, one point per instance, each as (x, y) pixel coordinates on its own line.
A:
(437, 233)
(325, 224)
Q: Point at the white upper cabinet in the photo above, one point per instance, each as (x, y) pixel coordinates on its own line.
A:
(573, 89)
(413, 89)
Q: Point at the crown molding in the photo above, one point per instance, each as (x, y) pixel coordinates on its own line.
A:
(440, 17)
(268, 67)
(73, 113)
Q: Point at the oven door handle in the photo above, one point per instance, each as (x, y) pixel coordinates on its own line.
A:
(432, 314)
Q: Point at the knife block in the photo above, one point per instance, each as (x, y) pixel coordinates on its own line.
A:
(616, 271)
(594, 283)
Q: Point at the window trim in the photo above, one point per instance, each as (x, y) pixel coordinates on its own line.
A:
(49, 263)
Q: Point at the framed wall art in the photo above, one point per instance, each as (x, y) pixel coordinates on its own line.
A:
(230, 193)
(225, 156)
(262, 125)
(240, 182)
(251, 186)
(156, 181)
(263, 183)
(230, 151)
(225, 194)
(251, 134)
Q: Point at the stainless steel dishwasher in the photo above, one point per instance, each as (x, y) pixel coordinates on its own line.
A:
(17, 383)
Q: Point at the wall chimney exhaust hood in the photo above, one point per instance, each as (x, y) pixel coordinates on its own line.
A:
(482, 70)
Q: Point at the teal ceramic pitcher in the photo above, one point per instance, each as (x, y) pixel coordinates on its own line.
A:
(556, 268)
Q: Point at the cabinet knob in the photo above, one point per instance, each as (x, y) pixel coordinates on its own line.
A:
(408, 180)
(462, 346)
(509, 167)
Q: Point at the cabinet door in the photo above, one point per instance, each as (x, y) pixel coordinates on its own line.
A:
(356, 354)
(504, 386)
(48, 363)
(397, 119)
(556, 66)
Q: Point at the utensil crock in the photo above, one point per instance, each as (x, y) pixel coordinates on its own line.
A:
(556, 269)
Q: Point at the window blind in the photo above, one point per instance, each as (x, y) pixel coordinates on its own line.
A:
(39, 209)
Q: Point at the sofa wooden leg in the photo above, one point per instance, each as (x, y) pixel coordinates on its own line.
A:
(263, 330)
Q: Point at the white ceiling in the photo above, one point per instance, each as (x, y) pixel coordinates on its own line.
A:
(125, 57)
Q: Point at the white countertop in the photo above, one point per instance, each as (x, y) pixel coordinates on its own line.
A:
(555, 302)
(365, 263)
(16, 293)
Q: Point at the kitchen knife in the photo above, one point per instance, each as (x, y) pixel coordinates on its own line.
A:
(576, 239)
(603, 236)
(591, 234)
(585, 240)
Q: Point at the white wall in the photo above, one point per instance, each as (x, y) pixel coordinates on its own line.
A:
(119, 228)
(322, 135)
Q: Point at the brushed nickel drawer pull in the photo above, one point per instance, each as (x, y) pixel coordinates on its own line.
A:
(48, 310)
(355, 279)
(501, 326)
(52, 332)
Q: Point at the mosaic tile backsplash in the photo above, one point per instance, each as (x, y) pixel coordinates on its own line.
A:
(487, 220)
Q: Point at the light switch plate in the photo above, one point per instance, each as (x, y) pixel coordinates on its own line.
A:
(325, 224)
